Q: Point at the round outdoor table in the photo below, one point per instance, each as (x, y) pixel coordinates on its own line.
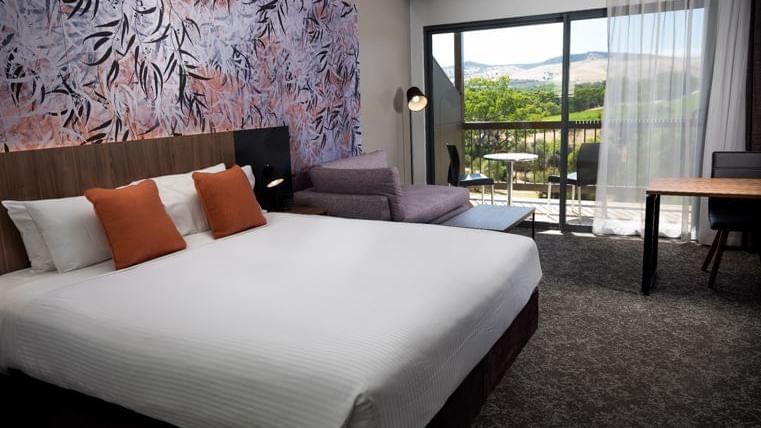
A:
(510, 159)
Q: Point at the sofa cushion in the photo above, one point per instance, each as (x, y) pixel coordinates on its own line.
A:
(382, 181)
(367, 207)
(425, 203)
(374, 160)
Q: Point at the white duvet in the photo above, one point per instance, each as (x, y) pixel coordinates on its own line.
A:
(308, 321)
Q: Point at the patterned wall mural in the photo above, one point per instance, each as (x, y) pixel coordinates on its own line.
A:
(97, 71)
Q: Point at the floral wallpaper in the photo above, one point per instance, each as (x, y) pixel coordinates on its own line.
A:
(96, 71)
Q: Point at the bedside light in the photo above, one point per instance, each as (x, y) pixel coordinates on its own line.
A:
(270, 178)
(276, 182)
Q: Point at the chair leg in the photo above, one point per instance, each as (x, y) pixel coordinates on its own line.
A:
(578, 195)
(483, 190)
(549, 193)
(717, 261)
(711, 252)
(573, 196)
(492, 194)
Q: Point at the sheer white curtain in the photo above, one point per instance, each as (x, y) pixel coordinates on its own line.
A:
(728, 32)
(654, 111)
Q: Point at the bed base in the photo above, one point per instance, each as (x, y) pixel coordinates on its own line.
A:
(39, 404)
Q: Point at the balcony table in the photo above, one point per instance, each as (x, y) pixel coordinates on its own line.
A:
(510, 159)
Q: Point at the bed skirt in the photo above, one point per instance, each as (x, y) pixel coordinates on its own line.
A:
(35, 403)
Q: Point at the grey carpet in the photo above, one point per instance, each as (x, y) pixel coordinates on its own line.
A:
(605, 355)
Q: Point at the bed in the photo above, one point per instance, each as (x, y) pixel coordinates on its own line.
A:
(308, 321)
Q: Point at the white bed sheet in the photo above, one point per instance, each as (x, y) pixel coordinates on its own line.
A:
(308, 321)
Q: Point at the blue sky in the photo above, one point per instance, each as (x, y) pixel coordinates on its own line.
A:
(523, 45)
(664, 33)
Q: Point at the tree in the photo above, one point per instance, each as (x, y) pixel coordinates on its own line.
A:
(493, 100)
(587, 96)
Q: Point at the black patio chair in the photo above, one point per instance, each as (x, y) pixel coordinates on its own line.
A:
(585, 174)
(731, 215)
(467, 180)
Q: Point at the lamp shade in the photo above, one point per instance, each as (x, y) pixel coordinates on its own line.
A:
(416, 100)
(271, 180)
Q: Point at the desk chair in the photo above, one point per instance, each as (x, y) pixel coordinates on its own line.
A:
(731, 215)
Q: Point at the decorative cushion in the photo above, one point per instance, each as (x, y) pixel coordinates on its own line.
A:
(374, 160)
(136, 224)
(228, 201)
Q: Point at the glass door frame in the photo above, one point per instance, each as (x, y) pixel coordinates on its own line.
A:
(566, 18)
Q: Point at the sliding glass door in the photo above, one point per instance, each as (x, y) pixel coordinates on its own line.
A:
(521, 100)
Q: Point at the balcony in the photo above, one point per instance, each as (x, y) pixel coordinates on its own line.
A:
(530, 179)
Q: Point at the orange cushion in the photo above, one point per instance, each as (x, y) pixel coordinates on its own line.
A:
(229, 201)
(136, 224)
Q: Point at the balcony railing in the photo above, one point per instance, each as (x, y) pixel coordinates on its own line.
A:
(540, 138)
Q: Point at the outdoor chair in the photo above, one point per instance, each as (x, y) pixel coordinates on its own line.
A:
(585, 175)
(467, 180)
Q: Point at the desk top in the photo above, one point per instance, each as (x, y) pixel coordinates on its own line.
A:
(512, 157)
(707, 187)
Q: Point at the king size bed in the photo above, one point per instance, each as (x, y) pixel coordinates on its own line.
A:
(307, 321)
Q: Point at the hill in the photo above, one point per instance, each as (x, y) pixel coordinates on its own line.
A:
(587, 67)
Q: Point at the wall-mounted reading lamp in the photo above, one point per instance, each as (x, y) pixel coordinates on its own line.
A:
(416, 101)
(271, 179)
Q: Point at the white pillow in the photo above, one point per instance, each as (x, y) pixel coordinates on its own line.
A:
(250, 175)
(72, 232)
(36, 250)
(178, 194)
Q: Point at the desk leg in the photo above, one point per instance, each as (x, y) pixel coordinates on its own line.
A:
(651, 243)
(509, 183)
(533, 225)
(656, 233)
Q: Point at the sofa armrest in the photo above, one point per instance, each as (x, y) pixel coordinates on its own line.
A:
(367, 207)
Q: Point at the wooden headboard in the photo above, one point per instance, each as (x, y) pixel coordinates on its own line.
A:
(69, 171)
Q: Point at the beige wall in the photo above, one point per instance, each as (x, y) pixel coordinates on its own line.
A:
(384, 56)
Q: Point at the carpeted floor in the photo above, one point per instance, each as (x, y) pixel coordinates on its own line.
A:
(605, 355)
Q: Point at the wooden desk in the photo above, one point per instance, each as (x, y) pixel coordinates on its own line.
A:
(700, 187)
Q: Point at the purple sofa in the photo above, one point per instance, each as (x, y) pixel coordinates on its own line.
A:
(366, 187)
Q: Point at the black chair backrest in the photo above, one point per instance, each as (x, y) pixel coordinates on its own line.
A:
(736, 165)
(586, 164)
(453, 177)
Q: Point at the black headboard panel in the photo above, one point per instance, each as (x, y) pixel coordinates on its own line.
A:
(259, 147)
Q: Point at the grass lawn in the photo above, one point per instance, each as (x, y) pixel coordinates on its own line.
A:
(591, 114)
